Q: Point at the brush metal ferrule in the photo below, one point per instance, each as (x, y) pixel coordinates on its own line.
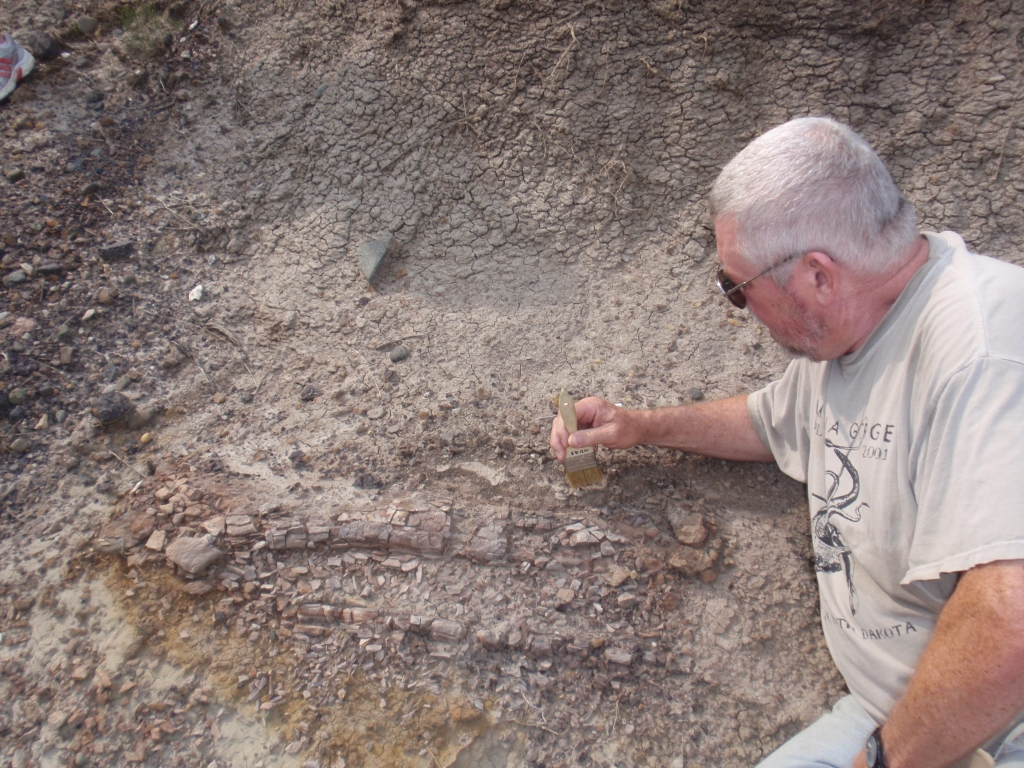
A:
(580, 459)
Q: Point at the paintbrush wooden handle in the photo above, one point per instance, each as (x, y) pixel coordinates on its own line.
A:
(567, 410)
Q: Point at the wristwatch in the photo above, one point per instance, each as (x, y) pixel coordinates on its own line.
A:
(873, 751)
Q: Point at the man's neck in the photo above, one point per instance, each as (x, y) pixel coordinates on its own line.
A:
(873, 296)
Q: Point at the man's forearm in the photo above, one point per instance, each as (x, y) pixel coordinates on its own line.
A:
(721, 429)
(969, 683)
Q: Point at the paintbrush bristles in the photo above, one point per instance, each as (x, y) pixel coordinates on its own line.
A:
(581, 467)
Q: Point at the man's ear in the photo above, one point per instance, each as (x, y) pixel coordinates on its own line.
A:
(820, 277)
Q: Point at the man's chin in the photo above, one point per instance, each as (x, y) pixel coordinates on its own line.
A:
(795, 352)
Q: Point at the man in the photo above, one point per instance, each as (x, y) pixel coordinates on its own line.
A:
(902, 413)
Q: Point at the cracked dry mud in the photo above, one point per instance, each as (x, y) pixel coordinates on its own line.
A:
(402, 576)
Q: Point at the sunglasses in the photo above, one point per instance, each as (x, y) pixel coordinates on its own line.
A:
(734, 292)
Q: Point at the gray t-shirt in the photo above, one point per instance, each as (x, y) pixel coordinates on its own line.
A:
(909, 450)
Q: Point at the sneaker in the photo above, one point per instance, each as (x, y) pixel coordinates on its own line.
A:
(15, 64)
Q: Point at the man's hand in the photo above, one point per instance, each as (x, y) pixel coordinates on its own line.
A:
(599, 423)
(721, 429)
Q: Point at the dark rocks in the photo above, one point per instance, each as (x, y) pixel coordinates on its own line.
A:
(87, 24)
(373, 255)
(309, 393)
(117, 251)
(398, 354)
(112, 407)
(41, 45)
(17, 396)
(16, 277)
(90, 189)
(695, 394)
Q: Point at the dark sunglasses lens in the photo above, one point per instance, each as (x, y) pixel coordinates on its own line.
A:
(725, 285)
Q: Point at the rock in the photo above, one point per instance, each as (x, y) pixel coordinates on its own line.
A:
(109, 545)
(214, 526)
(66, 354)
(688, 526)
(112, 407)
(117, 251)
(194, 555)
(17, 276)
(90, 189)
(563, 597)
(137, 419)
(16, 414)
(17, 396)
(107, 296)
(695, 394)
(43, 423)
(41, 45)
(308, 393)
(627, 600)
(197, 587)
(87, 24)
(617, 575)
(375, 413)
(21, 445)
(196, 294)
(618, 656)
(14, 174)
(690, 561)
(492, 641)
(373, 255)
(157, 541)
(219, 398)
(445, 631)
(398, 354)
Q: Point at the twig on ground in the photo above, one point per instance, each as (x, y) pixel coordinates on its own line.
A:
(187, 353)
(128, 466)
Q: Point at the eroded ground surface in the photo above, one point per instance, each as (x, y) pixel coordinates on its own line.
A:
(389, 569)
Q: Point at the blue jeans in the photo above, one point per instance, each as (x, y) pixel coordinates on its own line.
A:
(835, 739)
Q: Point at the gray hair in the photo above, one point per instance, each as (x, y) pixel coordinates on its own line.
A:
(813, 184)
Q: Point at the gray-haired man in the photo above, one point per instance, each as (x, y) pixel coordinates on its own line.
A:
(902, 414)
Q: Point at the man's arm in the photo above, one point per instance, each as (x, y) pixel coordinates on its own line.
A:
(721, 429)
(969, 683)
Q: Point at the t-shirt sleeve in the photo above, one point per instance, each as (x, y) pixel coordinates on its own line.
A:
(780, 414)
(969, 474)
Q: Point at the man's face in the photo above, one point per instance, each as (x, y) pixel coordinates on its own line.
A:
(788, 319)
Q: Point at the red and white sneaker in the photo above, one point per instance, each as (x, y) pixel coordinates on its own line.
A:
(15, 64)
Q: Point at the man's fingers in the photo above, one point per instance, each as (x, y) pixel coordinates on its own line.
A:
(586, 438)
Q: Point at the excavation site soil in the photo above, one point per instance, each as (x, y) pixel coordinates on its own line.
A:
(288, 288)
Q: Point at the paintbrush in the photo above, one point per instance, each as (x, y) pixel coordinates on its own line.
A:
(580, 463)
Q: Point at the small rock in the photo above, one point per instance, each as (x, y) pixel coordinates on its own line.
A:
(90, 189)
(17, 276)
(618, 656)
(215, 526)
(193, 554)
(43, 423)
(66, 354)
(372, 256)
(89, 315)
(446, 631)
(695, 394)
(308, 393)
(146, 438)
(21, 445)
(564, 597)
(688, 526)
(14, 174)
(141, 417)
(117, 251)
(197, 587)
(87, 24)
(690, 561)
(157, 541)
(196, 294)
(375, 413)
(398, 354)
(112, 407)
(492, 641)
(41, 45)
(107, 296)
(122, 383)
(617, 575)
(17, 396)
(627, 600)
(219, 398)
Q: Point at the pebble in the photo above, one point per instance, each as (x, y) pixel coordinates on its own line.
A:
(309, 392)
(372, 256)
(91, 188)
(66, 354)
(116, 251)
(17, 276)
(87, 24)
(375, 413)
(14, 174)
(695, 394)
(21, 445)
(146, 438)
(17, 396)
(689, 527)
(398, 354)
(196, 294)
(43, 423)
(107, 296)
(157, 541)
(219, 398)
(112, 406)
(690, 561)
(89, 315)
(42, 46)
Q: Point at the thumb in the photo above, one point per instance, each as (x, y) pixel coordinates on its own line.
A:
(586, 438)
